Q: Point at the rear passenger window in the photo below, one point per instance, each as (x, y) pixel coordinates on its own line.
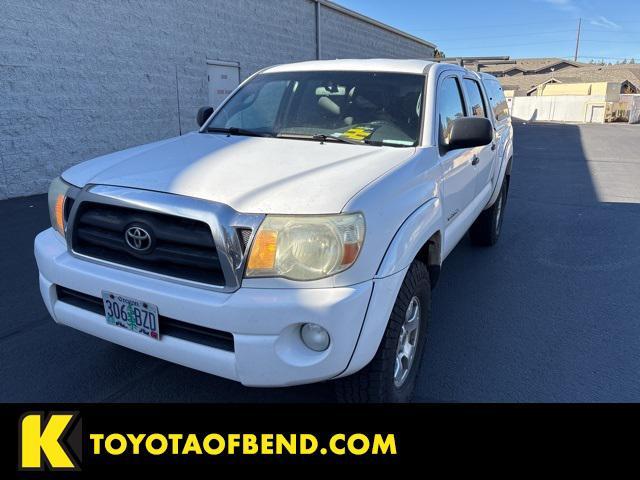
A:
(450, 107)
(474, 96)
(497, 100)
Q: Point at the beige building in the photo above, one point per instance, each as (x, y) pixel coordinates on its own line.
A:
(610, 90)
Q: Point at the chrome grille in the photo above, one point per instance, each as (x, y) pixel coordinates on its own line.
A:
(196, 242)
(183, 248)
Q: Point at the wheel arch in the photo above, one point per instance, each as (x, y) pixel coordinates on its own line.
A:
(419, 237)
(505, 171)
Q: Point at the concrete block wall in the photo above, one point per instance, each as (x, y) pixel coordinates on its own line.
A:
(82, 78)
(346, 37)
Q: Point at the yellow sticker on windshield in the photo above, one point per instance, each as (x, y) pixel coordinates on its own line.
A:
(358, 133)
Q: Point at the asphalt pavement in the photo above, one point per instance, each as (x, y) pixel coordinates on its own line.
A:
(549, 314)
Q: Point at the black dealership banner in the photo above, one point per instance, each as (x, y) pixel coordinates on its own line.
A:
(108, 439)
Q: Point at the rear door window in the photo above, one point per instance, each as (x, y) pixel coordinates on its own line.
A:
(497, 100)
(474, 98)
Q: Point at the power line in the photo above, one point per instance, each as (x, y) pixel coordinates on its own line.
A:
(536, 34)
(607, 41)
(502, 45)
(582, 40)
(610, 31)
(615, 22)
(500, 25)
(597, 57)
(507, 25)
(459, 45)
(507, 36)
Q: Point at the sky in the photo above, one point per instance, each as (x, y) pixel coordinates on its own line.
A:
(518, 28)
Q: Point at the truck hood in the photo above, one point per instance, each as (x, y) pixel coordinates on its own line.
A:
(250, 174)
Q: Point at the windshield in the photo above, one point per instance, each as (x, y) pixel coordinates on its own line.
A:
(358, 107)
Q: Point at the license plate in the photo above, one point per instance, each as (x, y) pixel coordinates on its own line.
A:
(135, 315)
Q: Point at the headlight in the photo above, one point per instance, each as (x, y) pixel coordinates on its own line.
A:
(57, 198)
(305, 247)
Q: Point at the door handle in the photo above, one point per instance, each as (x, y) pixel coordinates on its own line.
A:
(475, 160)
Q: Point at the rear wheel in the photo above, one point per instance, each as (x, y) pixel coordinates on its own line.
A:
(485, 231)
(391, 375)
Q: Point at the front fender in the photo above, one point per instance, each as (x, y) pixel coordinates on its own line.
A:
(419, 227)
(414, 232)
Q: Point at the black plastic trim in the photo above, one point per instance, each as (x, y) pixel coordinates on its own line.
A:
(168, 326)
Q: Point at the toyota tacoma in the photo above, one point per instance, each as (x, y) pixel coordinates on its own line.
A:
(296, 237)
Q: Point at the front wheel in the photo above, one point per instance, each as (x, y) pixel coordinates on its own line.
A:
(391, 375)
(485, 231)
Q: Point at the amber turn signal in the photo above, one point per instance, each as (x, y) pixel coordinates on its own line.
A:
(57, 197)
(263, 251)
(59, 214)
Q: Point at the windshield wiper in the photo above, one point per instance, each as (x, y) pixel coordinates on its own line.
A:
(323, 138)
(320, 137)
(364, 141)
(239, 131)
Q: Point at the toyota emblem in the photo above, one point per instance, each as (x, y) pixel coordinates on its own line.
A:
(138, 238)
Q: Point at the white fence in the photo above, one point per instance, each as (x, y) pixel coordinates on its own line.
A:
(634, 107)
(561, 108)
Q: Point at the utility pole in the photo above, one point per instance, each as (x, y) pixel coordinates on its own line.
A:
(575, 57)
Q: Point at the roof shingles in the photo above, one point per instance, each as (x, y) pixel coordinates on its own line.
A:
(529, 65)
(584, 74)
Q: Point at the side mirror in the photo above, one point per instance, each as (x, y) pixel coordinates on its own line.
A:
(203, 114)
(468, 132)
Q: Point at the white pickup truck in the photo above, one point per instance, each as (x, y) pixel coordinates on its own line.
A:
(296, 237)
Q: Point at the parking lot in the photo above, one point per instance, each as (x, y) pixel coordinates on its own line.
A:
(550, 314)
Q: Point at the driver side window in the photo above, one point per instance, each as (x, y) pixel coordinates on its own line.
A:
(258, 111)
(450, 108)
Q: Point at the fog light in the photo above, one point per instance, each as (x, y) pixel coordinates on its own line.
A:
(315, 337)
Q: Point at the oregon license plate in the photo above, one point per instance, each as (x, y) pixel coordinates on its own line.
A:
(132, 314)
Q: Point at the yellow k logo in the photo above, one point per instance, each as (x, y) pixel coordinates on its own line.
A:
(36, 441)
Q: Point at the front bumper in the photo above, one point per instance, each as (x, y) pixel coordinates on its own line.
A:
(265, 323)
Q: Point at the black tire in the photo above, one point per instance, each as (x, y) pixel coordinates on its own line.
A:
(375, 383)
(485, 231)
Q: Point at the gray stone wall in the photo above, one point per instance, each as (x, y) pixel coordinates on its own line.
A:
(83, 78)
